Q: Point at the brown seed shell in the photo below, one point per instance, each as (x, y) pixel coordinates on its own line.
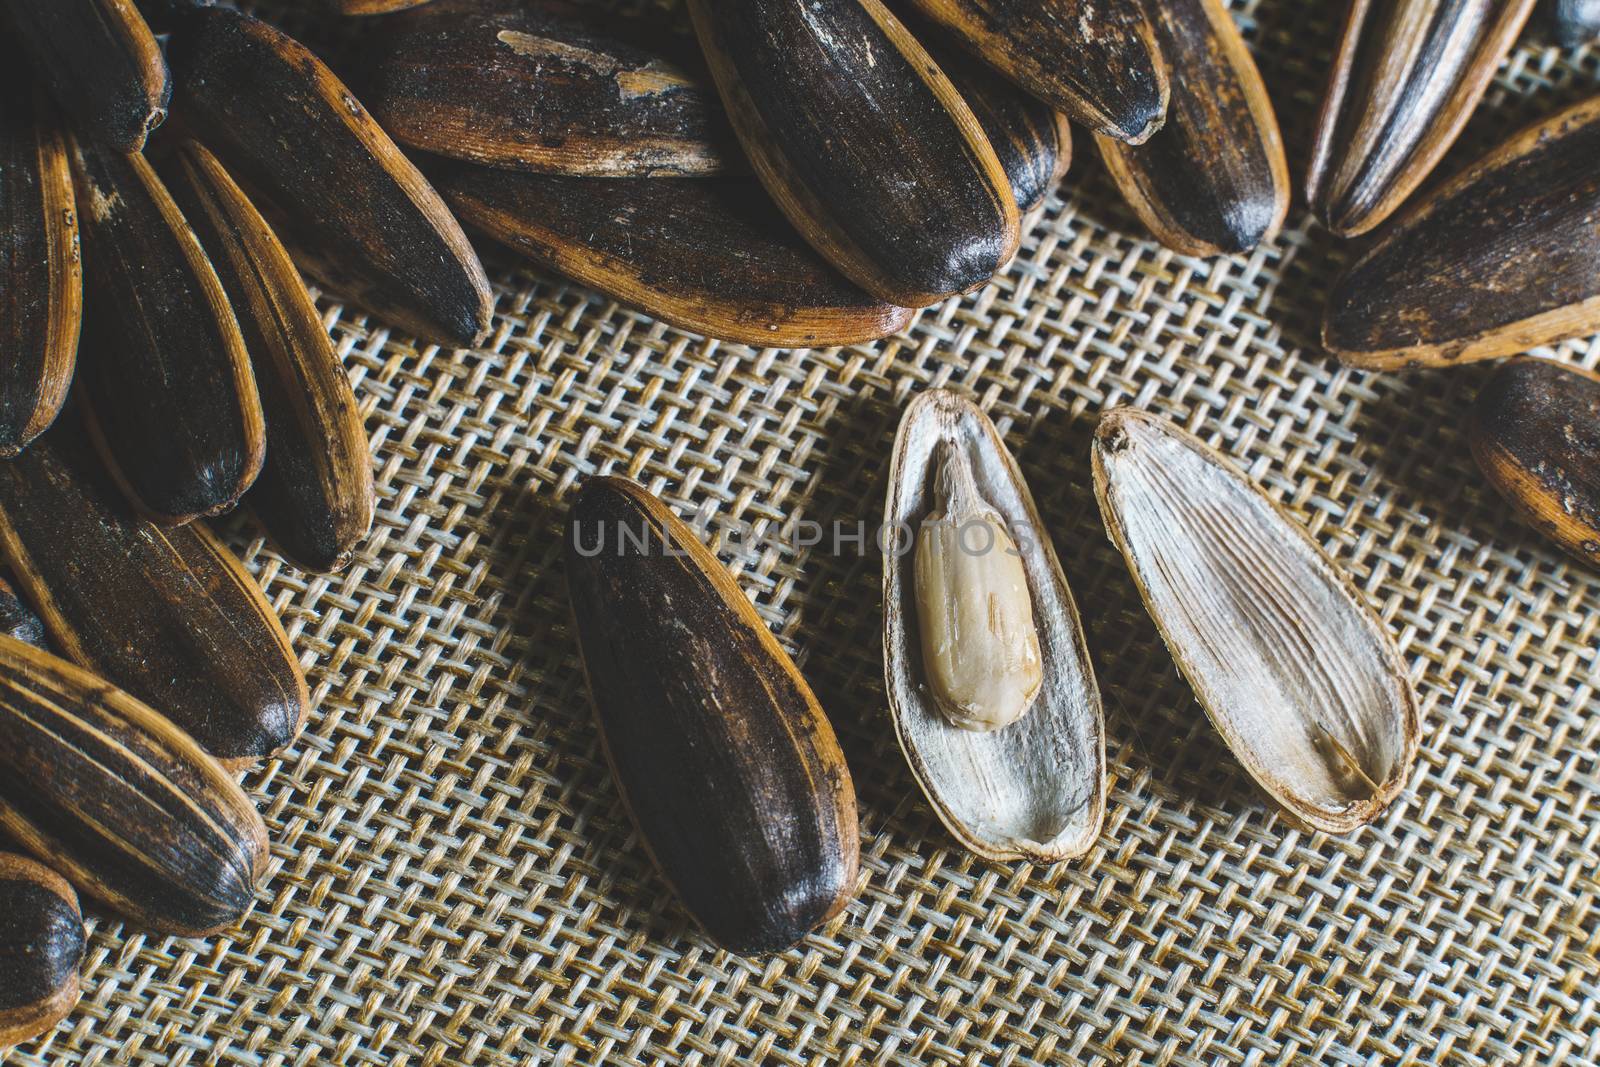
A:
(41, 946)
(1535, 433)
(1406, 78)
(549, 87)
(102, 64)
(315, 493)
(167, 613)
(1096, 60)
(1034, 789)
(1294, 669)
(710, 255)
(1214, 181)
(165, 375)
(863, 143)
(124, 804)
(728, 766)
(41, 275)
(339, 192)
(1501, 259)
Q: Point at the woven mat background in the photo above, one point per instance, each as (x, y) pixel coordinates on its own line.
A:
(454, 877)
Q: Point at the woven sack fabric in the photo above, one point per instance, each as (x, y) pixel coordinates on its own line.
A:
(454, 879)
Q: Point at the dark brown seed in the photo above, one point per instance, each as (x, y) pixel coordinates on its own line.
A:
(166, 613)
(1573, 22)
(1536, 435)
(710, 255)
(171, 397)
(120, 801)
(1032, 141)
(729, 767)
(1501, 259)
(549, 87)
(338, 190)
(18, 620)
(315, 493)
(41, 945)
(1095, 60)
(1214, 180)
(41, 277)
(102, 64)
(1406, 77)
(864, 144)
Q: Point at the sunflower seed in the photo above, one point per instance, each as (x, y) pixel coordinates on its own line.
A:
(864, 144)
(315, 492)
(729, 767)
(1034, 789)
(1536, 435)
(1407, 76)
(1294, 670)
(41, 275)
(41, 945)
(121, 802)
(1214, 180)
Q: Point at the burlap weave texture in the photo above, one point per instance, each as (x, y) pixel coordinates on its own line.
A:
(454, 879)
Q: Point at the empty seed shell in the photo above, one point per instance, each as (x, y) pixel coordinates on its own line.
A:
(549, 87)
(1032, 141)
(1407, 76)
(1095, 60)
(18, 620)
(338, 190)
(170, 393)
(1536, 435)
(710, 255)
(729, 767)
(1574, 22)
(120, 801)
(102, 64)
(1499, 260)
(863, 143)
(1292, 667)
(1214, 181)
(166, 613)
(41, 277)
(1033, 789)
(315, 493)
(41, 945)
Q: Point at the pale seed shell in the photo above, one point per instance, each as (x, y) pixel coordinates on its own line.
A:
(1035, 789)
(1291, 665)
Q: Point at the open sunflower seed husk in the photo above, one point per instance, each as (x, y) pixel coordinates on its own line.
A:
(726, 762)
(1214, 180)
(339, 192)
(41, 945)
(167, 613)
(549, 86)
(863, 143)
(1097, 61)
(162, 369)
(41, 274)
(1406, 78)
(1293, 668)
(1535, 433)
(712, 255)
(114, 797)
(990, 686)
(315, 491)
(101, 62)
(1501, 259)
